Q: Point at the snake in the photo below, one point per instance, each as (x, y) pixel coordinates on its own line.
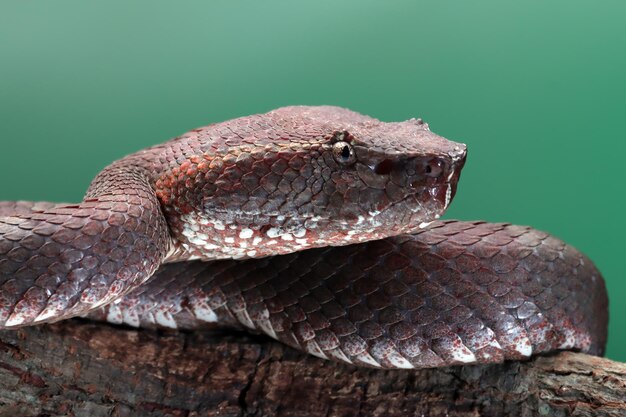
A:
(315, 225)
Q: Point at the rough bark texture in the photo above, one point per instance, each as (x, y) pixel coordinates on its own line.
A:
(83, 369)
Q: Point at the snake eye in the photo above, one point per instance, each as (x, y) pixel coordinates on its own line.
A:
(344, 153)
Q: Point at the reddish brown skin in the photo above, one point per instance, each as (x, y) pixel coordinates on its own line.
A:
(285, 183)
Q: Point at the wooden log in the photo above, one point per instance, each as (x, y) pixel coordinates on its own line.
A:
(78, 368)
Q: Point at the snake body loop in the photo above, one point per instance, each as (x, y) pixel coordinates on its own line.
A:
(314, 225)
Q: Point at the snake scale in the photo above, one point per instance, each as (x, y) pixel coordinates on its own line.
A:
(315, 225)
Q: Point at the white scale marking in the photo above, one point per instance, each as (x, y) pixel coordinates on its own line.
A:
(570, 339)
(44, 315)
(399, 361)
(165, 318)
(339, 355)
(273, 232)
(448, 196)
(494, 343)
(368, 359)
(149, 317)
(314, 349)
(204, 313)
(130, 317)
(196, 240)
(114, 315)
(463, 354)
(244, 318)
(265, 324)
(523, 346)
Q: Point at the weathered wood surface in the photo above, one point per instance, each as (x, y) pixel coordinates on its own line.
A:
(79, 368)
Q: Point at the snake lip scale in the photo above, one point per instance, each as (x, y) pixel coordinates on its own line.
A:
(315, 225)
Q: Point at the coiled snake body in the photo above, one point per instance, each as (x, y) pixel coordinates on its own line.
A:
(319, 225)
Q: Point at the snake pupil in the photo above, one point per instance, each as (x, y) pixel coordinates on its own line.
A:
(343, 153)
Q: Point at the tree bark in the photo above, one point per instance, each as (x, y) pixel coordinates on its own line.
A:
(78, 368)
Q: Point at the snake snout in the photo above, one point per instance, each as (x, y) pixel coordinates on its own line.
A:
(431, 171)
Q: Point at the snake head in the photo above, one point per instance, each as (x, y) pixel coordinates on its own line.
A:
(304, 177)
(391, 178)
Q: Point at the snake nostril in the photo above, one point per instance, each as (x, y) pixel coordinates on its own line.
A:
(384, 167)
(434, 168)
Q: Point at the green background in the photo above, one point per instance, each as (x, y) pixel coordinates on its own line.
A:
(536, 89)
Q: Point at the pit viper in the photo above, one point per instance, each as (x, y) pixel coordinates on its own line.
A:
(317, 226)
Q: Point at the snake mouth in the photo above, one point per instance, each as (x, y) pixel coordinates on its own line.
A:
(422, 206)
(445, 193)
